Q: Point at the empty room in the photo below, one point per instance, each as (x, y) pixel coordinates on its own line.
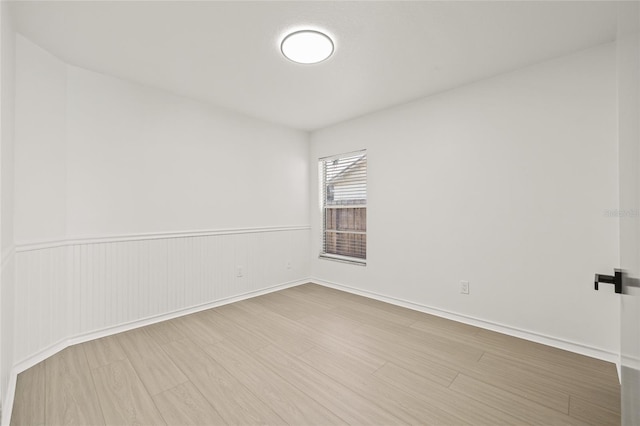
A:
(314, 213)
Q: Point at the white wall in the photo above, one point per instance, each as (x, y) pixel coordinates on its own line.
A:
(141, 160)
(7, 282)
(40, 152)
(503, 183)
(7, 92)
(98, 156)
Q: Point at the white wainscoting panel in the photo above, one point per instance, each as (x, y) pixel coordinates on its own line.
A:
(69, 289)
(41, 300)
(7, 311)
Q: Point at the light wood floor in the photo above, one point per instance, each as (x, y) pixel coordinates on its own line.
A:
(313, 355)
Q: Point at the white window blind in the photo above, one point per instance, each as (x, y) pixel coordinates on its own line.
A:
(343, 181)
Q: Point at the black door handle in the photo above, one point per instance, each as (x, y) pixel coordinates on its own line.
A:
(615, 279)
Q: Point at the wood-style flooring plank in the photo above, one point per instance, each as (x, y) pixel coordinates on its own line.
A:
(512, 383)
(372, 315)
(198, 329)
(560, 359)
(103, 351)
(354, 375)
(154, 368)
(300, 295)
(344, 402)
(422, 362)
(70, 393)
(185, 405)
(443, 326)
(303, 306)
(232, 400)
(333, 298)
(277, 302)
(523, 409)
(333, 325)
(451, 351)
(290, 403)
(545, 376)
(233, 331)
(164, 332)
(326, 340)
(592, 414)
(467, 409)
(123, 397)
(275, 328)
(252, 306)
(29, 399)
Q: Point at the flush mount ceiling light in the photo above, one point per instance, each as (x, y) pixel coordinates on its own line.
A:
(307, 47)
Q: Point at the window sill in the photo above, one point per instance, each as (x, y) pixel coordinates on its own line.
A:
(344, 259)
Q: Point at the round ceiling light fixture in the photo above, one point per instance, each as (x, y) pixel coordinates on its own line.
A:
(307, 47)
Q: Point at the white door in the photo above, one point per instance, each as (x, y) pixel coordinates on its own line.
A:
(628, 61)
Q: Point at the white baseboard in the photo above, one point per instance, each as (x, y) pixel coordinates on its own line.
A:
(489, 325)
(7, 405)
(51, 350)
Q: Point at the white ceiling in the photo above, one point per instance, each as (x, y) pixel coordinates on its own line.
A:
(227, 53)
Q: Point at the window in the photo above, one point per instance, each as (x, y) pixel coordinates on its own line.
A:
(343, 188)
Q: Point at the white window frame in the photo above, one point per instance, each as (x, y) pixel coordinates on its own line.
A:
(362, 187)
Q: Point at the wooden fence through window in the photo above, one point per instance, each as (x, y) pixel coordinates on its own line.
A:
(345, 231)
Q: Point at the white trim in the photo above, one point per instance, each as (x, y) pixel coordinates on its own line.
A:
(7, 406)
(6, 257)
(555, 342)
(51, 350)
(80, 240)
(345, 154)
(630, 362)
(343, 259)
(619, 371)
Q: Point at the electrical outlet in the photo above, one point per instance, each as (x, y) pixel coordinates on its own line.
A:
(464, 287)
(239, 271)
(288, 264)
